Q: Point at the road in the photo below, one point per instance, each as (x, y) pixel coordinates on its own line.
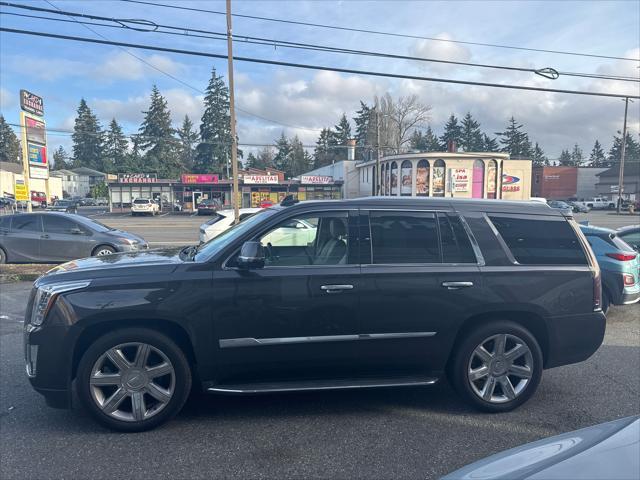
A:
(392, 433)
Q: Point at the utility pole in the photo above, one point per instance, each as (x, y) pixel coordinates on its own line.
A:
(232, 111)
(622, 152)
(379, 178)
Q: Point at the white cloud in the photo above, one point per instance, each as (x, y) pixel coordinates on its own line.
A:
(6, 100)
(439, 50)
(122, 65)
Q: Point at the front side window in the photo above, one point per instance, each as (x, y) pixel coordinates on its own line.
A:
(26, 223)
(56, 224)
(399, 237)
(312, 239)
(538, 241)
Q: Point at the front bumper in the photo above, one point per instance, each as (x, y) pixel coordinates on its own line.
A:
(573, 338)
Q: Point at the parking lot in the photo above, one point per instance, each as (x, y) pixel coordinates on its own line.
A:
(390, 433)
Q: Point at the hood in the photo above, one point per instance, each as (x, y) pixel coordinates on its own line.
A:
(608, 450)
(122, 263)
(128, 235)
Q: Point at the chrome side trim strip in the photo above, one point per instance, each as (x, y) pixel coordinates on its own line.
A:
(249, 389)
(253, 342)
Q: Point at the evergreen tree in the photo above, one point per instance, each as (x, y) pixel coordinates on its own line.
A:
(298, 158)
(115, 156)
(632, 150)
(134, 161)
(283, 155)
(87, 139)
(252, 161)
(10, 150)
(452, 132)
(424, 142)
(489, 144)
(213, 153)
(325, 151)
(565, 159)
(188, 139)
(515, 141)
(342, 133)
(471, 139)
(417, 141)
(60, 159)
(538, 157)
(576, 155)
(365, 131)
(597, 157)
(157, 139)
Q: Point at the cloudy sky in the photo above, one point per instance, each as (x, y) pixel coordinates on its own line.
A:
(272, 99)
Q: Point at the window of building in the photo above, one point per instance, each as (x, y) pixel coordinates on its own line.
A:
(456, 246)
(438, 183)
(317, 239)
(399, 237)
(26, 223)
(535, 241)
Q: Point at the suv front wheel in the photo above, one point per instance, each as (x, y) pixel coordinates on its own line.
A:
(497, 367)
(133, 379)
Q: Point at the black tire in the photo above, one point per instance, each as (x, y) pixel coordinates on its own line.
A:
(176, 356)
(103, 248)
(3, 256)
(458, 368)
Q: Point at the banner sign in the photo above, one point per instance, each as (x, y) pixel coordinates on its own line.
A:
(199, 178)
(510, 183)
(137, 177)
(316, 179)
(460, 179)
(37, 155)
(31, 103)
(35, 130)
(20, 191)
(260, 179)
(38, 172)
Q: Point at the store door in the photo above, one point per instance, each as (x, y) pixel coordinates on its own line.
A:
(195, 199)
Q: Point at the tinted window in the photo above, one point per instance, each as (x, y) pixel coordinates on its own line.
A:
(534, 241)
(5, 223)
(456, 246)
(26, 223)
(56, 224)
(141, 201)
(632, 238)
(398, 237)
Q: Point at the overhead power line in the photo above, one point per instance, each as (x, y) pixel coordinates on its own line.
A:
(317, 67)
(246, 112)
(144, 25)
(378, 32)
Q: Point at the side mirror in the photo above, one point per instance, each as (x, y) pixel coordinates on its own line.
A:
(300, 226)
(251, 256)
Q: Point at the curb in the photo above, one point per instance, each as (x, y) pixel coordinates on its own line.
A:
(18, 277)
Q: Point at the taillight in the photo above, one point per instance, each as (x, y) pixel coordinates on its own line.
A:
(628, 279)
(623, 257)
(597, 290)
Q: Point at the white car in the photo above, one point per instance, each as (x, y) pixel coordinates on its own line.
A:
(144, 206)
(296, 233)
(221, 221)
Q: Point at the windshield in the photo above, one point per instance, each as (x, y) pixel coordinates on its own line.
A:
(206, 250)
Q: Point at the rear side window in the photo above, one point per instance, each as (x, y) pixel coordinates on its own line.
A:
(26, 223)
(5, 223)
(535, 241)
(399, 237)
(456, 246)
(56, 224)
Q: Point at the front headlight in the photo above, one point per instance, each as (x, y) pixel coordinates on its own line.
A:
(46, 296)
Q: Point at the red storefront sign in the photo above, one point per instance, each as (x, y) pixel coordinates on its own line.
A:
(199, 178)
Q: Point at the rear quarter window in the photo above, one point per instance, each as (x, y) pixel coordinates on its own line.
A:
(540, 241)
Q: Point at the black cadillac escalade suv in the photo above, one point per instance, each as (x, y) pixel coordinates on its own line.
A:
(370, 292)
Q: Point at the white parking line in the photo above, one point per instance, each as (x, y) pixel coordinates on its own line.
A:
(164, 214)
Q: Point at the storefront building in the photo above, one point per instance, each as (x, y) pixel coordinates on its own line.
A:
(555, 183)
(448, 174)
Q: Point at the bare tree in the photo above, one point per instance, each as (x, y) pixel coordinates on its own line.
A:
(398, 119)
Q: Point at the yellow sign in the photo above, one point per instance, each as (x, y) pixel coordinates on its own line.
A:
(20, 191)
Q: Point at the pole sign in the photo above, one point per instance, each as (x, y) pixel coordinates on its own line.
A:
(29, 102)
(37, 155)
(20, 191)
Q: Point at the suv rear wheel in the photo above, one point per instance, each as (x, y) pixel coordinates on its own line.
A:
(497, 367)
(133, 379)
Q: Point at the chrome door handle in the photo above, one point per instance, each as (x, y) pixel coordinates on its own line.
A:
(456, 285)
(336, 288)
(44, 236)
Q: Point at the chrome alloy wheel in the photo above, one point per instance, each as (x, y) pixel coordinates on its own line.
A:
(500, 368)
(103, 251)
(132, 381)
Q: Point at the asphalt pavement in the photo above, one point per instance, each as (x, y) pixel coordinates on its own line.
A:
(389, 433)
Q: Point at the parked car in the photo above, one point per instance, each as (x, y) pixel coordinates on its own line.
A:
(7, 202)
(38, 199)
(578, 207)
(563, 207)
(631, 235)
(144, 206)
(102, 202)
(88, 202)
(66, 206)
(52, 237)
(266, 204)
(609, 450)
(221, 221)
(390, 292)
(209, 206)
(598, 203)
(619, 265)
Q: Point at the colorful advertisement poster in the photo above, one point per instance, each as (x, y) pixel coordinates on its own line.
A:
(438, 182)
(35, 130)
(422, 179)
(460, 179)
(37, 155)
(406, 180)
(20, 191)
(199, 178)
(394, 179)
(491, 180)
